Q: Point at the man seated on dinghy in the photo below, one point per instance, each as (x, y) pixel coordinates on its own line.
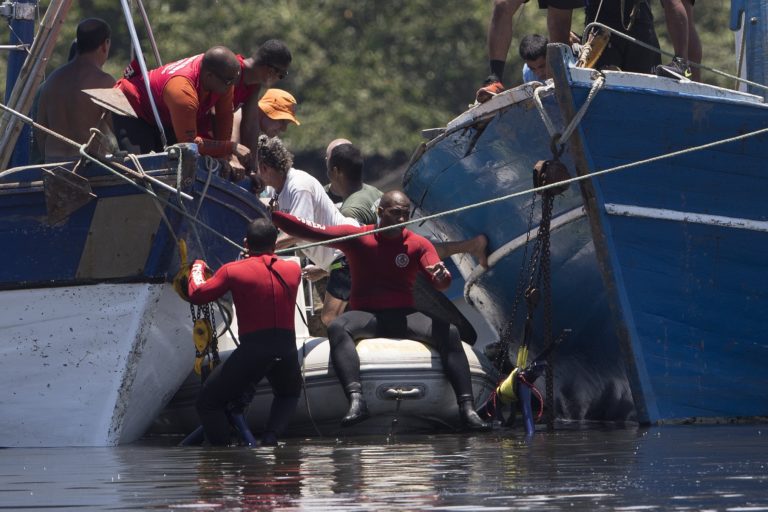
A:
(264, 290)
(184, 92)
(360, 201)
(383, 268)
(62, 106)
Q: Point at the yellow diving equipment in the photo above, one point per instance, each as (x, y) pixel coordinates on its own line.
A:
(182, 276)
(202, 335)
(506, 390)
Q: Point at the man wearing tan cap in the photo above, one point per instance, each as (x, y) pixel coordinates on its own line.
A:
(277, 109)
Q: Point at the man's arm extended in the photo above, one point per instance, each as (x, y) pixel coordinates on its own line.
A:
(311, 231)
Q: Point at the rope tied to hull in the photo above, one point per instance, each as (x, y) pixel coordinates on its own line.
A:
(563, 137)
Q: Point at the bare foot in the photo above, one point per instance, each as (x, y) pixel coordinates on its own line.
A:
(478, 248)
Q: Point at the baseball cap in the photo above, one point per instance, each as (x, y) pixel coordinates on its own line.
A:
(279, 104)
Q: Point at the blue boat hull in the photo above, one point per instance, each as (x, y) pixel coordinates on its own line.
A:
(681, 241)
(493, 156)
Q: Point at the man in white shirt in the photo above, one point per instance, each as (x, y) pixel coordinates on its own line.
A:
(301, 195)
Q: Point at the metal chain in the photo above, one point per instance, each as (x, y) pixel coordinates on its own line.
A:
(546, 284)
(505, 336)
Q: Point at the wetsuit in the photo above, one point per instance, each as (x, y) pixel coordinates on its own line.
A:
(264, 291)
(383, 273)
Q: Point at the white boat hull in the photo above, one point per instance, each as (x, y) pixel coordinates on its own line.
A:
(98, 362)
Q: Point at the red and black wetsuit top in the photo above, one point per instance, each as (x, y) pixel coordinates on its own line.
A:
(263, 287)
(383, 269)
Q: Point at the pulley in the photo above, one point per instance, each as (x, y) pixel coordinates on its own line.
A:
(202, 334)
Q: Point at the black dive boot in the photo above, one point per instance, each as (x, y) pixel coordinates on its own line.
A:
(280, 415)
(358, 410)
(469, 418)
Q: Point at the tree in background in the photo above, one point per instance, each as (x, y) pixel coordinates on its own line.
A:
(376, 72)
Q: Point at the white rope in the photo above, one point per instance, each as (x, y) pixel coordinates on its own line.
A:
(140, 169)
(537, 92)
(596, 86)
(163, 201)
(212, 166)
(534, 190)
(563, 138)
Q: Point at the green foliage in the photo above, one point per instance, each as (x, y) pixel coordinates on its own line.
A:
(376, 72)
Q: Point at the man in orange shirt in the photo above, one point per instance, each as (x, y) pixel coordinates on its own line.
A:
(184, 92)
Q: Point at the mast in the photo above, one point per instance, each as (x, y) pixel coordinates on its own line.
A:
(27, 80)
(21, 16)
(751, 16)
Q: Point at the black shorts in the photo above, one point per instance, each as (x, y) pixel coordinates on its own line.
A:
(561, 4)
(628, 56)
(340, 280)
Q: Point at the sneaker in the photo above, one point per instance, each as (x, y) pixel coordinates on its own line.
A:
(678, 69)
(492, 87)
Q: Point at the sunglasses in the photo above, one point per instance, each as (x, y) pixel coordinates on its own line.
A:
(281, 73)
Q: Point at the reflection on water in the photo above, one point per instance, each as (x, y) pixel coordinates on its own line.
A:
(670, 468)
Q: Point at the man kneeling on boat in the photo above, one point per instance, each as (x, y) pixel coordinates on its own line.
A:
(384, 266)
(264, 290)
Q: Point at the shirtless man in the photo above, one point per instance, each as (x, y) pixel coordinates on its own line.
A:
(63, 107)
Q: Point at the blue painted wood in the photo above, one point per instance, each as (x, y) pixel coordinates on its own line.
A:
(483, 162)
(40, 255)
(692, 296)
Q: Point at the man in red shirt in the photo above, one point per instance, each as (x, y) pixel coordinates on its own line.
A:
(264, 290)
(184, 92)
(384, 266)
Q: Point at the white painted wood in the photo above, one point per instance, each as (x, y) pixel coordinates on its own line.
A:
(89, 365)
(678, 216)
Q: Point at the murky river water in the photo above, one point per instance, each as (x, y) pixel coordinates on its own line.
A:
(669, 468)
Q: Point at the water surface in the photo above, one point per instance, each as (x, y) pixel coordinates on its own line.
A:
(668, 468)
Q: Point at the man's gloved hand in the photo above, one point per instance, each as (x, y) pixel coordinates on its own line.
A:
(491, 88)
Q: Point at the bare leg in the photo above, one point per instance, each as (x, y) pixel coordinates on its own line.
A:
(694, 43)
(559, 25)
(332, 308)
(500, 29)
(677, 26)
(477, 247)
